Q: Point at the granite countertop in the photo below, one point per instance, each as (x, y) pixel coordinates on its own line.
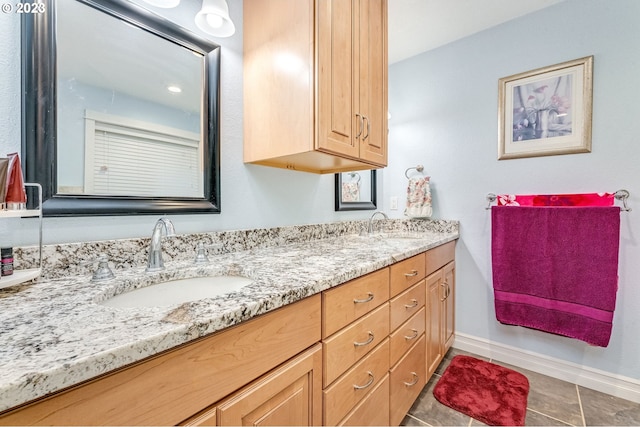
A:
(56, 334)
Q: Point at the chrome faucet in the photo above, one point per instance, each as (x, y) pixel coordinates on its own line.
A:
(163, 225)
(370, 228)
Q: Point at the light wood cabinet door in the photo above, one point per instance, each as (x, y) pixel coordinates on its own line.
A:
(352, 73)
(338, 102)
(291, 395)
(372, 87)
(433, 322)
(448, 305)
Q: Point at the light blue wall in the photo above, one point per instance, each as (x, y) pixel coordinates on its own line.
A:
(252, 196)
(444, 106)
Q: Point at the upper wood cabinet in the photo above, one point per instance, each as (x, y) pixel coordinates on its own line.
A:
(315, 84)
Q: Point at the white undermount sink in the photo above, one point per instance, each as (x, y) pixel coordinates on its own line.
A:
(178, 291)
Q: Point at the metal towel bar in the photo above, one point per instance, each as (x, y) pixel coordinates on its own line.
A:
(622, 195)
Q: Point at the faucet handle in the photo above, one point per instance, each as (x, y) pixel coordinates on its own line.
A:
(102, 272)
(201, 252)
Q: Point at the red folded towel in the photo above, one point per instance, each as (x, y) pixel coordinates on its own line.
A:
(556, 269)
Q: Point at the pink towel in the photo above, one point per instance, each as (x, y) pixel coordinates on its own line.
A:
(556, 269)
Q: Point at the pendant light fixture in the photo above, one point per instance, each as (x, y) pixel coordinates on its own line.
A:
(214, 18)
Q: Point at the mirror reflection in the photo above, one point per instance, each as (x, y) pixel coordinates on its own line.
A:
(355, 190)
(120, 111)
(129, 109)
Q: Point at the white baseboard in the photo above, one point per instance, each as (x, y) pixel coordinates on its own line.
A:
(606, 382)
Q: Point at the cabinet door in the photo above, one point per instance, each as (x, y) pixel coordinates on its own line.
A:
(337, 84)
(290, 395)
(433, 322)
(372, 74)
(448, 305)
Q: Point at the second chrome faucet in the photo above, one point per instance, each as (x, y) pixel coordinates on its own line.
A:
(371, 226)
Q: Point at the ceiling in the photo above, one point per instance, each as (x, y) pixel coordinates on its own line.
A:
(416, 26)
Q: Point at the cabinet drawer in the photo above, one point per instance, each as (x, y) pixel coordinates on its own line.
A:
(348, 302)
(344, 348)
(373, 410)
(406, 335)
(408, 378)
(407, 304)
(407, 273)
(355, 384)
(440, 256)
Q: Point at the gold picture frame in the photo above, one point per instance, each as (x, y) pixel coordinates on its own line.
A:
(546, 111)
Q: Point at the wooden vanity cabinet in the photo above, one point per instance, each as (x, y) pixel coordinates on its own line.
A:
(315, 84)
(440, 285)
(356, 354)
(173, 386)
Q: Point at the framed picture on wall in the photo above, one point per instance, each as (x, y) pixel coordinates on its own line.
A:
(547, 111)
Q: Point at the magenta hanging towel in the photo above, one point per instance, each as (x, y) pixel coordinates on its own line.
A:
(555, 269)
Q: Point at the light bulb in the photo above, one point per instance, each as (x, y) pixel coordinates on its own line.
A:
(215, 21)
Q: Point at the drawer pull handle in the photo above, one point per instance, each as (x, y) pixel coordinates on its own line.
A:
(414, 303)
(415, 380)
(367, 299)
(412, 274)
(367, 342)
(371, 380)
(412, 337)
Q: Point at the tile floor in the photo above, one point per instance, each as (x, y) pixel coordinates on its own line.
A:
(550, 402)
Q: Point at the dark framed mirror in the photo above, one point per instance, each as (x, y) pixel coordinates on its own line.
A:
(120, 111)
(356, 191)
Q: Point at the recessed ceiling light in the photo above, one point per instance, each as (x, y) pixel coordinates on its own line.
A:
(174, 89)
